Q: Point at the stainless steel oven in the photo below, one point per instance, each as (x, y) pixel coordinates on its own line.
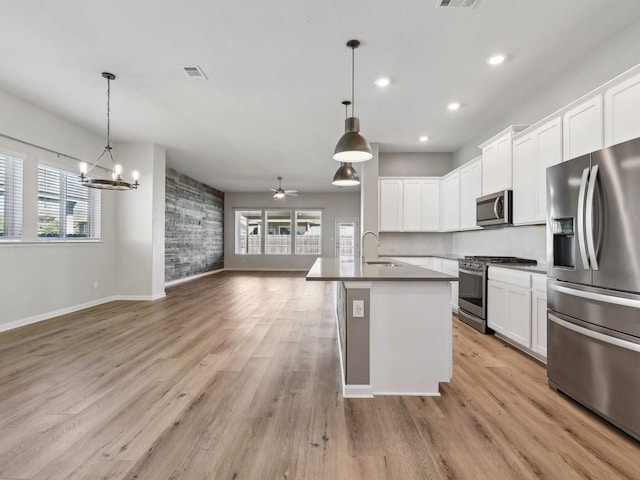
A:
(472, 289)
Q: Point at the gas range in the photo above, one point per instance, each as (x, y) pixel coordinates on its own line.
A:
(480, 262)
(472, 296)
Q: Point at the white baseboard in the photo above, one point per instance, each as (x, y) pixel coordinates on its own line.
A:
(74, 308)
(410, 394)
(192, 277)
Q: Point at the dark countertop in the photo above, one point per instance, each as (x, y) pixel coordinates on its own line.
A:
(446, 256)
(541, 268)
(330, 269)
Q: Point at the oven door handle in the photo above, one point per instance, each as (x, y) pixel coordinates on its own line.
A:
(477, 274)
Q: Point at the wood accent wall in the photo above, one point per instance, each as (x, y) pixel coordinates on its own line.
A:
(194, 227)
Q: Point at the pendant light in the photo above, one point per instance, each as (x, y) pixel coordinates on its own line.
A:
(346, 176)
(116, 182)
(352, 146)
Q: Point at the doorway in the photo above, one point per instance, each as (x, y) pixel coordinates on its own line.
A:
(347, 239)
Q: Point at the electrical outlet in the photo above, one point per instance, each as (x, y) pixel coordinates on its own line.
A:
(358, 308)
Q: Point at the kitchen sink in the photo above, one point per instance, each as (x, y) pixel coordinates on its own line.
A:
(383, 263)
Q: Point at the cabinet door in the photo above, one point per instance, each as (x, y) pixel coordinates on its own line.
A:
(504, 146)
(412, 205)
(548, 153)
(470, 190)
(450, 202)
(390, 205)
(497, 306)
(539, 322)
(519, 315)
(524, 179)
(430, 208)
(490, 169)
(582, 129)
(450, 267)
(622, 112)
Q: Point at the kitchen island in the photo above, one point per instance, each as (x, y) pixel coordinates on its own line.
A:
(394, 326)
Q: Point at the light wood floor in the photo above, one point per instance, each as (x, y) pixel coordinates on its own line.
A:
(236, 376)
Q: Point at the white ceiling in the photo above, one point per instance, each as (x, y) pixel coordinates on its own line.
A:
(278, 70)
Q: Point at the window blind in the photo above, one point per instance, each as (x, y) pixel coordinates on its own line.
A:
(10, 197)
(66, 208)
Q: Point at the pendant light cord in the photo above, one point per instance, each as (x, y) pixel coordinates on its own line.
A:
(108, 112)
(353, 74)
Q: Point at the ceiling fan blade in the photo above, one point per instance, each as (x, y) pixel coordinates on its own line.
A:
(291, 194)
(273, 190)
(291, 191)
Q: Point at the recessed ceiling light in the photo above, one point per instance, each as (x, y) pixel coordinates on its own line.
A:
(424, 138)
(383, 82)
(496, 59)
(453, 106)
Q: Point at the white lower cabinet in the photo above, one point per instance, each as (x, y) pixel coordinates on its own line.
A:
(450, 267)
(516, 310)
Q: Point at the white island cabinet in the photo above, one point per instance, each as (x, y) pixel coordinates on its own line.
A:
(394, 326)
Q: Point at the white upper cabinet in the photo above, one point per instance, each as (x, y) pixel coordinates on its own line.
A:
(412, 208)
(450, 202)
(421, 205)
(470, 190)
(533, 153)
(496, 161)
(524, 173)
(622, 112)
(390, 203)
(409, 204)
(583, 129)
(430, 208)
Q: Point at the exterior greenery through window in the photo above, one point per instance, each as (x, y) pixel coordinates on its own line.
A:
(10, 197)
(66, 208)
(287, 231)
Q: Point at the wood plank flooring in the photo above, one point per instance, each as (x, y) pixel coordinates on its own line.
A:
(236, 376)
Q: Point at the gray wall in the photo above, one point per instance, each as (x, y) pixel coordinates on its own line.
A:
(194, 226)
(339, 204)
(418, 164)
(601, 65)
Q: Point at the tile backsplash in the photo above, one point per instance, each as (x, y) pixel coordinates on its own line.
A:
(525, 242)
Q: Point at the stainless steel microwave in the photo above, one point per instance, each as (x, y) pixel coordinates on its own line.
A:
(495, 209)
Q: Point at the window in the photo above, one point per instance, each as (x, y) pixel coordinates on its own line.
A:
(281, 236)
(278, 240)
(66, 208)
(249, 232)
(10, 197)
(308, 232)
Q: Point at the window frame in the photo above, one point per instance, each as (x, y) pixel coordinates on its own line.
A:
(263, 241)
(94, 207)
(13, 198)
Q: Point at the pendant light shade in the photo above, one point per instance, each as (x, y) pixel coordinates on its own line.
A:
(352, 146)
(346, 176)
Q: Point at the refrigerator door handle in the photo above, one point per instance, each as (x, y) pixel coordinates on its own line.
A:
(618, 342)
(598, 297)
(591, 244)
(580, 218)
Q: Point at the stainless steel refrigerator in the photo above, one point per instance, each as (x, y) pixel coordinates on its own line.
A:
(593, 289)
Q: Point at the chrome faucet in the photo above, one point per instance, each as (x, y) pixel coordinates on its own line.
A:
(362, 243)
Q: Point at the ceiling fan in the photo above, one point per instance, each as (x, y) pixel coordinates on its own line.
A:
(280, 194)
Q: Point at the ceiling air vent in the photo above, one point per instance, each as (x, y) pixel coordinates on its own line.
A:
(456, 3)
(195, 73)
